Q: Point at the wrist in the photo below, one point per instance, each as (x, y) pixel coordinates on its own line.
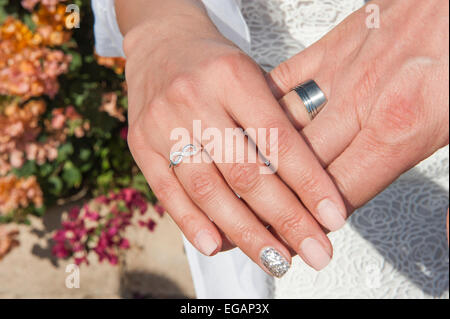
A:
(140, 11)
(177, 26)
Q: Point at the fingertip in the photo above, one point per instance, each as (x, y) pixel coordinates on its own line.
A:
(207, 243)
(315, 254)
(331, 215)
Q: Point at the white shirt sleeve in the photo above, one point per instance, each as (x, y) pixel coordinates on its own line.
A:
(225, 14)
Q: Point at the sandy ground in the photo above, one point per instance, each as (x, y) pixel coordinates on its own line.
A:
(155, 266)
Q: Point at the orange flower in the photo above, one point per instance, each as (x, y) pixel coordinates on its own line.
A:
(109, 105)
(27, 68)
(51, 25)
(19, 130)
(117, 64)
(8, 240)
(18, 193)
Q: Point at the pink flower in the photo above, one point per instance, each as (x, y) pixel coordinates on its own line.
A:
(89, 229)
(159, 209)
(58, 121)
(124, 133)
(80, 260)
(16, 158)
(60, 251)
(150, 224)
(124, 243)
(112, 259)
(60, 236)
(112, 231)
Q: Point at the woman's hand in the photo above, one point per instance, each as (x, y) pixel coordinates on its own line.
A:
(388, 92)
(181, 69)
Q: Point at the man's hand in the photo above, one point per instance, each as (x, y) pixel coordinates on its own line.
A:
(388, 92)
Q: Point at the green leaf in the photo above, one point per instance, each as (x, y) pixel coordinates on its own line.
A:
(77, 61)
(86, 167)
(46, 169)
(29, 22)
(105, 164)
(28, 169)
(40, 211)
(85, 153)
(71, 175)
(57, 184)
(64, 152)
(105, 179)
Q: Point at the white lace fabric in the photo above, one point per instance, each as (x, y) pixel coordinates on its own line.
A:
(396, 245)
(281, 28)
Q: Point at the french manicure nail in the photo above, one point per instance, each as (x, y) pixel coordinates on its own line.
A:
(205, 242)
(314, 253)
(330, 215)
(275, 263)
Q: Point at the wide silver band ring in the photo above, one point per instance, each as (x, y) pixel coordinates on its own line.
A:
(176, 158)
(312, 96)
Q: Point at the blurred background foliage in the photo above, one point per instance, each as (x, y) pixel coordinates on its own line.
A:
(62, 111)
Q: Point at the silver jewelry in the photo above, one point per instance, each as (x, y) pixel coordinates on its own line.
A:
(177, 157)
(312, 96)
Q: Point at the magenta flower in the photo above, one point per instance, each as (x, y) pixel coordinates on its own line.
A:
(124, 133)
(99, 227)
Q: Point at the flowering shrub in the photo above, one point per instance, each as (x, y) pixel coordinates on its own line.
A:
(28, 67)
(99, 227)
(19, 130)
(63, 128)
(18, 193)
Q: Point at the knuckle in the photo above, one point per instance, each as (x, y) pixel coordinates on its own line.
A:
(183, 90)
(374, 152)
(289, 224)
(309, 184)
(164, 189)
(283, 141)
(401, 113)
(247, 234)
(135, 138)
(235, 64)
(156, 109)
(202, 185)
(384, 151)
(243, 177)
(187, 222)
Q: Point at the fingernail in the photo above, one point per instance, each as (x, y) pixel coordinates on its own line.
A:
(205, 242)
(275, 263)
(330, 215)
(314, 253)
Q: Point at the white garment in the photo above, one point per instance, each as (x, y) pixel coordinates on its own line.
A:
(394, 247)
(224, 13)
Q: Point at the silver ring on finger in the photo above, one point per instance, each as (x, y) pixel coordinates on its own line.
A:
(312, 96)
(176, 158)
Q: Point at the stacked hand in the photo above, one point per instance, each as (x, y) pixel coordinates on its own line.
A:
(388, 109)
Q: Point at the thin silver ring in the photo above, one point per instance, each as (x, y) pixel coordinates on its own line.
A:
(176, 158)
(312, 96)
